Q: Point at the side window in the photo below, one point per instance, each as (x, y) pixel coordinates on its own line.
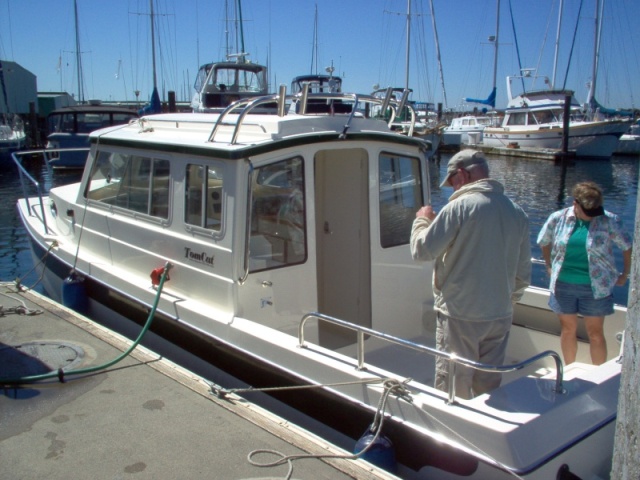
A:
(517, 119)
(203, 202)
(135, 183)
(400, 197)
(278, 216)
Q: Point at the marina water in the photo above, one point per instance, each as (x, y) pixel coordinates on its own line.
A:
(538, 186)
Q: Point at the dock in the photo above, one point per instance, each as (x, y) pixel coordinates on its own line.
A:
(553, 154)
(144, 417)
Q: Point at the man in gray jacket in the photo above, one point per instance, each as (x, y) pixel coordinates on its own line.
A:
(481, 247)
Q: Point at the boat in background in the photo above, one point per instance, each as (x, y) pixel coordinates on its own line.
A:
(12, 134)
(69, 129)
(467, 130)
(317, 83)
(629, 143)
(219, 84)
(287, 239)
(404, 119)
(534, 119)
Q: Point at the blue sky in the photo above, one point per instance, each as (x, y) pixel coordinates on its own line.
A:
(364, 40)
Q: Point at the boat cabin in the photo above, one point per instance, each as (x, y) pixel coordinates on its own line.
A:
(266, 227)
(217, 85)
(317, 84)
(69, 128)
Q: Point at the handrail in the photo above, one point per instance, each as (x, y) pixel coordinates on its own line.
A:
(16, 156)
(453, 359)
(249, 104)
(23, 173)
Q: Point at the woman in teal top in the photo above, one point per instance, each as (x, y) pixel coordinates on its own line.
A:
(577, 246)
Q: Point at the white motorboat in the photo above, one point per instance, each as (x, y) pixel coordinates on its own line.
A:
(219, 84)
(629, 143)
(534, 119)
(287, 237)
(466, 130)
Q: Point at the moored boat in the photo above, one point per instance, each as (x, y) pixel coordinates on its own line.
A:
(288, 240)
(12, 134)
(629, 143)
(466, 130)
(220, 84)
(69, 129)
(535, 119)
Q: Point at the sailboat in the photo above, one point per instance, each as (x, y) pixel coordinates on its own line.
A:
(218, 84)
(317, 82)
(535, 119)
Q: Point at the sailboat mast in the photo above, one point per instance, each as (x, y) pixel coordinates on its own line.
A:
(495, 47)
(314, 49)
(406, 73)
(153, 46)
(78, 55)
(555, 58)
(596, 51)
(435, 34)
(241, 30)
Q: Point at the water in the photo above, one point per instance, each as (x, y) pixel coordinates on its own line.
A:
(15, 254)
(538, 186)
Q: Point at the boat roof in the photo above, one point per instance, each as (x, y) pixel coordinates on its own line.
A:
(542, 99)
(257, 133)
(314, 77)
(256, 67)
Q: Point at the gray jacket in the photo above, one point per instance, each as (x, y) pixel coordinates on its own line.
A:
(482, 251)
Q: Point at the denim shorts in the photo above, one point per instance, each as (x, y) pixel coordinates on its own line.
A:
(571, 298)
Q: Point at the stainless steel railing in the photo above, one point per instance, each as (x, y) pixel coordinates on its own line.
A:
(453, 359)
(247, 105)
(26, 179)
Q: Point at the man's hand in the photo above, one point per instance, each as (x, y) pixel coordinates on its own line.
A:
(427, 212)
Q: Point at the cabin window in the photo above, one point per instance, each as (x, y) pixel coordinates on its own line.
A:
(278, 216)
(517, 119)
(203, 202)
(136, 183)
(201, 77)
(400, 197)
(545, 116)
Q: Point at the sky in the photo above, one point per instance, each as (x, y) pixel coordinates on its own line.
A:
(364, 40)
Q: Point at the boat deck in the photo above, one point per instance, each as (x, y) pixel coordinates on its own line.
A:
(143, 415)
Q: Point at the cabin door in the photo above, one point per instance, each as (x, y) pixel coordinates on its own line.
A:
(342, 240)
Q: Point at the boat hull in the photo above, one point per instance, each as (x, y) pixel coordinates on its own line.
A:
(587, 139)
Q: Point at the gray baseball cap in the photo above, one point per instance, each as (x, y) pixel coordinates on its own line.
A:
(463, 159)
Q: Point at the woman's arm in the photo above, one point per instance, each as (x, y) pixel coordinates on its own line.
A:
(546, 255)
(626, 257)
